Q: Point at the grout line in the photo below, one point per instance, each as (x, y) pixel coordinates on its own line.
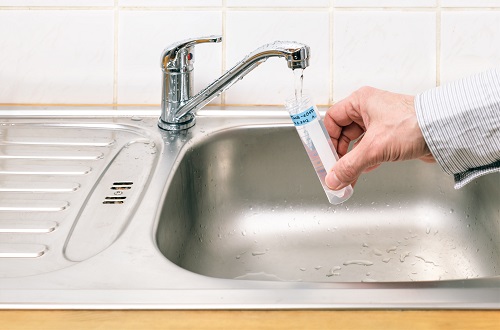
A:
(279, 9)
(223, 57)
(170, 8)
(384, 8)
(331, 40)
(438, 43)
(14, 8)
(224, 7)
(115, 54)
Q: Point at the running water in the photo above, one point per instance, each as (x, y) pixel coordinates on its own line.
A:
(299, 83)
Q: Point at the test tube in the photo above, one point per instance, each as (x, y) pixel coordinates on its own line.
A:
(317, 142)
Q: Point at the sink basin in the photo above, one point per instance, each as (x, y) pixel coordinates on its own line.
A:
(245, 204)
(100, 209)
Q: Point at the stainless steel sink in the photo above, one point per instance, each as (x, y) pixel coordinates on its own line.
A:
(228, 214)
(245, 203)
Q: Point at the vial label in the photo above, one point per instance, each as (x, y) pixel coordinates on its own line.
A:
(304, 117)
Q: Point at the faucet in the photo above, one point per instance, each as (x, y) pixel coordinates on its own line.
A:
(178, 106)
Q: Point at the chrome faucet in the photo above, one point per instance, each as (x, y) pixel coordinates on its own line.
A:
(178, 106)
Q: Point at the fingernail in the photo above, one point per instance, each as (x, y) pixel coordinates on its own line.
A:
(332, 181)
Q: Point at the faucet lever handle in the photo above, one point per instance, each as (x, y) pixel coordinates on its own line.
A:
(170, 58)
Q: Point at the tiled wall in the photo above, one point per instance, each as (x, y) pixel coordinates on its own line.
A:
(107, 51)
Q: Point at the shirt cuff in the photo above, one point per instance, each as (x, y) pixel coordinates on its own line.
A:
(460, 123)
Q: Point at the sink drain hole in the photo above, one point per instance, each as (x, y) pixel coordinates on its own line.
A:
(122, 185)
(119, 186)
(116, 197)
(126, 183)
(112, 202)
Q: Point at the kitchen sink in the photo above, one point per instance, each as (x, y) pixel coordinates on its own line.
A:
(245, 203)
(100, 209)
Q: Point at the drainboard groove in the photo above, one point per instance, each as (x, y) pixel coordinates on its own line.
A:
(23, 169)
(27, 226)
(39, 187)
(22, 250)
(88, 156)
(29, 205)
(68, 142)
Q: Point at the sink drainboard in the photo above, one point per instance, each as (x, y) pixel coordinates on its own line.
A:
(67, 192)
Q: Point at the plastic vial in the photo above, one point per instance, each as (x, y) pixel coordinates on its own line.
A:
(317, 143)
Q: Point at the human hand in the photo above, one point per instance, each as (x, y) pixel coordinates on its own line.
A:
(387, 128)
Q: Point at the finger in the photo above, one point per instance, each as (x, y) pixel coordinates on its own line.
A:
(340, 115)
(349, 134)
(348, 168)
(428, 158)
(371, 168)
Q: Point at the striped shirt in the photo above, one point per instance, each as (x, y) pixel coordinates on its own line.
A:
(460, 122)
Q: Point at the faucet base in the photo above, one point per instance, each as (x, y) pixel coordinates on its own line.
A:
(185, 122)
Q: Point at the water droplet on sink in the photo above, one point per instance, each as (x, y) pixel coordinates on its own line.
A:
(403, 256)
(391, 249)
(425, 260)
(333, 272)
(135, 118)
(258, 253)
(358, 262)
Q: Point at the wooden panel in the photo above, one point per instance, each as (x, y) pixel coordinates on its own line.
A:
(241, 320)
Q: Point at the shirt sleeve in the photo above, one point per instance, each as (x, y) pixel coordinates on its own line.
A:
(460, 122)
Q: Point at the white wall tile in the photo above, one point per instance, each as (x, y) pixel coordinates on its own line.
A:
(390, 49)
(469, 43)
(273, 81)
(142, 37)
(170, 3)
(56, 56)
(393, 50)
(470, 3)
(57, 3)
(278, 3)
(384, 3)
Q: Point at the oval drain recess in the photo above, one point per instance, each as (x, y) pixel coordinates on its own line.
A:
(112, 202)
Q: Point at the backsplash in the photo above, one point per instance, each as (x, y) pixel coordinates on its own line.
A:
(107, 52)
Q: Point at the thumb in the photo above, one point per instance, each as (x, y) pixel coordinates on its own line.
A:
(348, 168)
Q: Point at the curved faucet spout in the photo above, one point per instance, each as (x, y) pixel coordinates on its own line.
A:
(296, 54)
